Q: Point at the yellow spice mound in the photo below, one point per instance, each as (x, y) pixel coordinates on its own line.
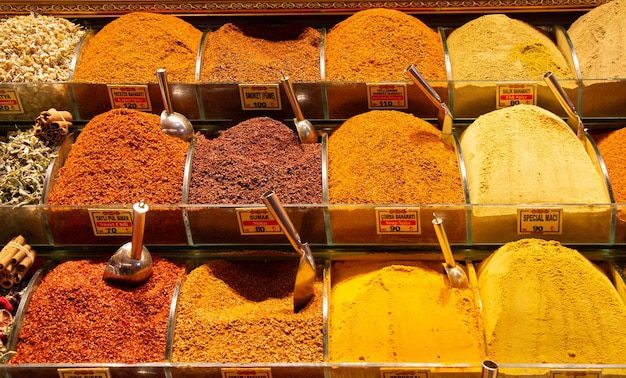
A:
(401, 312)
(545, 303)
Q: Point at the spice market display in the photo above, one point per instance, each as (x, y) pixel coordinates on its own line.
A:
(533, 211)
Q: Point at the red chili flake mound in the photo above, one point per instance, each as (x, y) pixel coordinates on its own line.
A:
(121, 157)
(76, 317)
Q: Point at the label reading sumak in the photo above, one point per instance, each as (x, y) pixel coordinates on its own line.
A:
(260, 97)
(402, 373)
(386, 96)
(396, 220)
(255, 221)
(515, 94)
(246, 373)
(539, 221)
(130, 97)
(111, 222)
(10, 102)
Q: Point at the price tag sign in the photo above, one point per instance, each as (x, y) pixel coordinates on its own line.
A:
(111, 222)
(575, 373)
(540, 221)
(515, 94)
(257, 222)
(395, 220)
(246, 373)
(10, 102)
(84, 373)
(260, 97)
(387, 96)
(403, 373)
(130, 97)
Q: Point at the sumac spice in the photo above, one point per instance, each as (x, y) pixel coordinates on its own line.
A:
(255, 156)
(75, 316)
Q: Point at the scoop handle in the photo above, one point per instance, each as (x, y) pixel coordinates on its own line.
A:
(140, 209)
(443, 241)
(278, 211)
(165, 90)
(444, 116)
(291, 97)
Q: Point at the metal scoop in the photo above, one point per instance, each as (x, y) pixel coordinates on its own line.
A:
(573, 120)
(444, 117)
(306, 131)
(131, 265)
(172, 123)
(305, 276)
(455, 273)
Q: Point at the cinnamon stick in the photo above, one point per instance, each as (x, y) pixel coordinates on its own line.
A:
(10, 250)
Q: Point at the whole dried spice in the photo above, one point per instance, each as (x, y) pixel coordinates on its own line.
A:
(391, 157)
(24, 160)
(89, 320)
(121, 157)
(242, 312)
(132, 47)
(250, 53)
(255, 156)
(379, 44)
(36, 48)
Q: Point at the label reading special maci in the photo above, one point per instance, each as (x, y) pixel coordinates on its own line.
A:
(257, 221)
(575, 373)
(403, 373)
(511, 94)
(386, 96)
(130, 97)
(111, 222)
(260, 97)
(10, 102)
(539, 221)
(84, 373)
(397, 220)
(246, 373)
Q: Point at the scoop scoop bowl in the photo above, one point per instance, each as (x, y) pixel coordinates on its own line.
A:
(172, 123)
(306, 130)
(456, 274)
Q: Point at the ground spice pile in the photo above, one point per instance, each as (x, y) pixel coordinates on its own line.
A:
(74, 316)
(401, 312)
(612, 147)
(250, 53)
(255, 156)
(386, 156)
(132, 47)
(242, 312)
(496, 47)
(379, 44)
(121, 157)
(546, 303)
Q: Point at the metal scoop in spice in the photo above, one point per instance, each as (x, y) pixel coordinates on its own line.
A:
(306, 131)
(305, 276)
(573, 120)
(444, 117)
(172, 123)
(131, 265)
(456, 274)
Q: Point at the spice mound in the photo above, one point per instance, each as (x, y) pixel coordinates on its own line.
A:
(611, 145)
(242, 312)
(387, 156)
(546, 303)
(91, 321)
(379, 44)
(255, 156)
(36, 48)
(132, 47)
(496, 47)
(120, 157)
(598, 39)
(256, 54)
(378, 309)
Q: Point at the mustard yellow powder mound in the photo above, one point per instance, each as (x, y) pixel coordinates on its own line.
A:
(401, 312)
(546, 303)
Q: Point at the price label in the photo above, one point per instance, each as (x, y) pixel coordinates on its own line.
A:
(257, 221)
(403, 373)
(10, 102)
(387, 96)
(515, 94)
(260, 97)
(395, 220)
(84, 373)
(575, 373)
(539, 221)
(111, 222)
(130, 97)
(246, 373)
